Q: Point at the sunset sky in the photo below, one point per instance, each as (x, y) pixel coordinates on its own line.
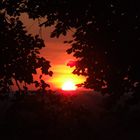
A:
(55, 52)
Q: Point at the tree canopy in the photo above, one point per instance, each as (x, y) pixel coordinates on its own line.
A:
(105, 42)
(19, 52)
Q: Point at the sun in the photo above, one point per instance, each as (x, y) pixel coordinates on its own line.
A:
(69, 85)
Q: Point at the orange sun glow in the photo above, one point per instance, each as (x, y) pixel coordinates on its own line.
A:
(69, 85)
(64, 79)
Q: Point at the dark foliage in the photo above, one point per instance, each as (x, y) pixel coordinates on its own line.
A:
(54, 116)
(19, 51)
(105, 42)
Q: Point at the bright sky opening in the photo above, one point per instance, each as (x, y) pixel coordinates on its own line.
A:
(69, 85)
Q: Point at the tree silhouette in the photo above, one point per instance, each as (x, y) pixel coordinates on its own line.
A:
(105, 41)
(19, 52)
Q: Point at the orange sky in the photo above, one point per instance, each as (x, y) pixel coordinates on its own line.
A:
(55, 52)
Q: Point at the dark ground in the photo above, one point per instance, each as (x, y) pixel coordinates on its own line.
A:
(60, 117)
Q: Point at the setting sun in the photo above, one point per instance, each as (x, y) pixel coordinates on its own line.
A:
(69, 85)
(63, 78)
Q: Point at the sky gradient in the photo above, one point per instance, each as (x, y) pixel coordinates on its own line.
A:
(55, 52)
